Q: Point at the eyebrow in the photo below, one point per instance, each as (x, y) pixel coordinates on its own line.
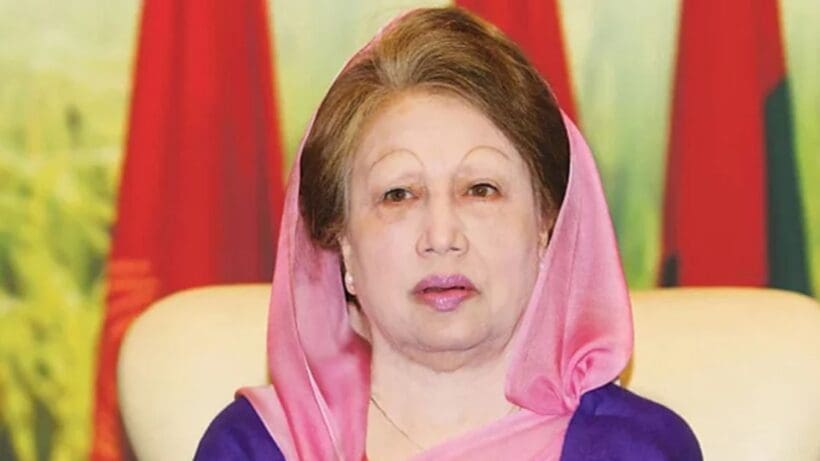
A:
(491, 148)
(390, 152)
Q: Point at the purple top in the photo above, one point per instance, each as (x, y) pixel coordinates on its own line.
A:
(610, 424)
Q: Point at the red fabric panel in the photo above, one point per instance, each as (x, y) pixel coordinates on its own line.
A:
(201, 189)
(770, 45)
(715, 209)
(535, 25)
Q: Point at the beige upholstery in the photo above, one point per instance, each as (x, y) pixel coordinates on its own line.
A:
(742, 366)
(181, 362)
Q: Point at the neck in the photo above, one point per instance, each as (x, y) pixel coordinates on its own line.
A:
(431, 406)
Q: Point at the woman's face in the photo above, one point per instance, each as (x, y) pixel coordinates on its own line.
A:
(443, 234)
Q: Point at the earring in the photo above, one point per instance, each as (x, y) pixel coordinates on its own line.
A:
(349, 283)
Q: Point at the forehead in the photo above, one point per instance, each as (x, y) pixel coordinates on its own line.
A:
(430, 125)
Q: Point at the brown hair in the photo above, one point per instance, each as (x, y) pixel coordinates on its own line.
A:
(439, 50)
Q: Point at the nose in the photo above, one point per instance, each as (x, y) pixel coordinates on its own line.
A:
(442, 232)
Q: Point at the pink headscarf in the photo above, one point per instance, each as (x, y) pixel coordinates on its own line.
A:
(575, 336)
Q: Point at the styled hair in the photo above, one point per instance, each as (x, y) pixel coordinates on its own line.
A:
(438, 50)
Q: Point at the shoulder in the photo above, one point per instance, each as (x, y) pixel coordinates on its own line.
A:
(612, 423)
(237, 433)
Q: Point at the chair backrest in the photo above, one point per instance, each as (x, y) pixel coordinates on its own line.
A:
(742, 366)
(181, 362)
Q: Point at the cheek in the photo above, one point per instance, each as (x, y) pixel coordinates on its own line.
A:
(381, 251)
(508, 246)
(507, 234)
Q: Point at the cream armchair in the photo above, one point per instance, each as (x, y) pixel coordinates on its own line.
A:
(182, 360)
(742, 366)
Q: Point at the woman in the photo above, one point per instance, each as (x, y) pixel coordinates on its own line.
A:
(447, 283)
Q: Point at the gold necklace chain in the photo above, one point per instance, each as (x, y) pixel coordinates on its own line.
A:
(395, 426)
(403, 432)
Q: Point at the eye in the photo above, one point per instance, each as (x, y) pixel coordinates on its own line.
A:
(397, 195)
(482, 190)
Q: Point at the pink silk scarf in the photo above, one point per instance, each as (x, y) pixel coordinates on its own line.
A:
(575, 336)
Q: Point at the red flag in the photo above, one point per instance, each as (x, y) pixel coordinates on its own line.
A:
(535, 26)
(201, 188)
(732, 211)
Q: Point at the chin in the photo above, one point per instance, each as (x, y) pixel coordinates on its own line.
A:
(454, 347)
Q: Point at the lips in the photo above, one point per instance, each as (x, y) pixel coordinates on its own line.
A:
(444, 293)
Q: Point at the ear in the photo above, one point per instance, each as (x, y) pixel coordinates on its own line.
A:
(345, 250)
(545, 226)
(358, 321)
